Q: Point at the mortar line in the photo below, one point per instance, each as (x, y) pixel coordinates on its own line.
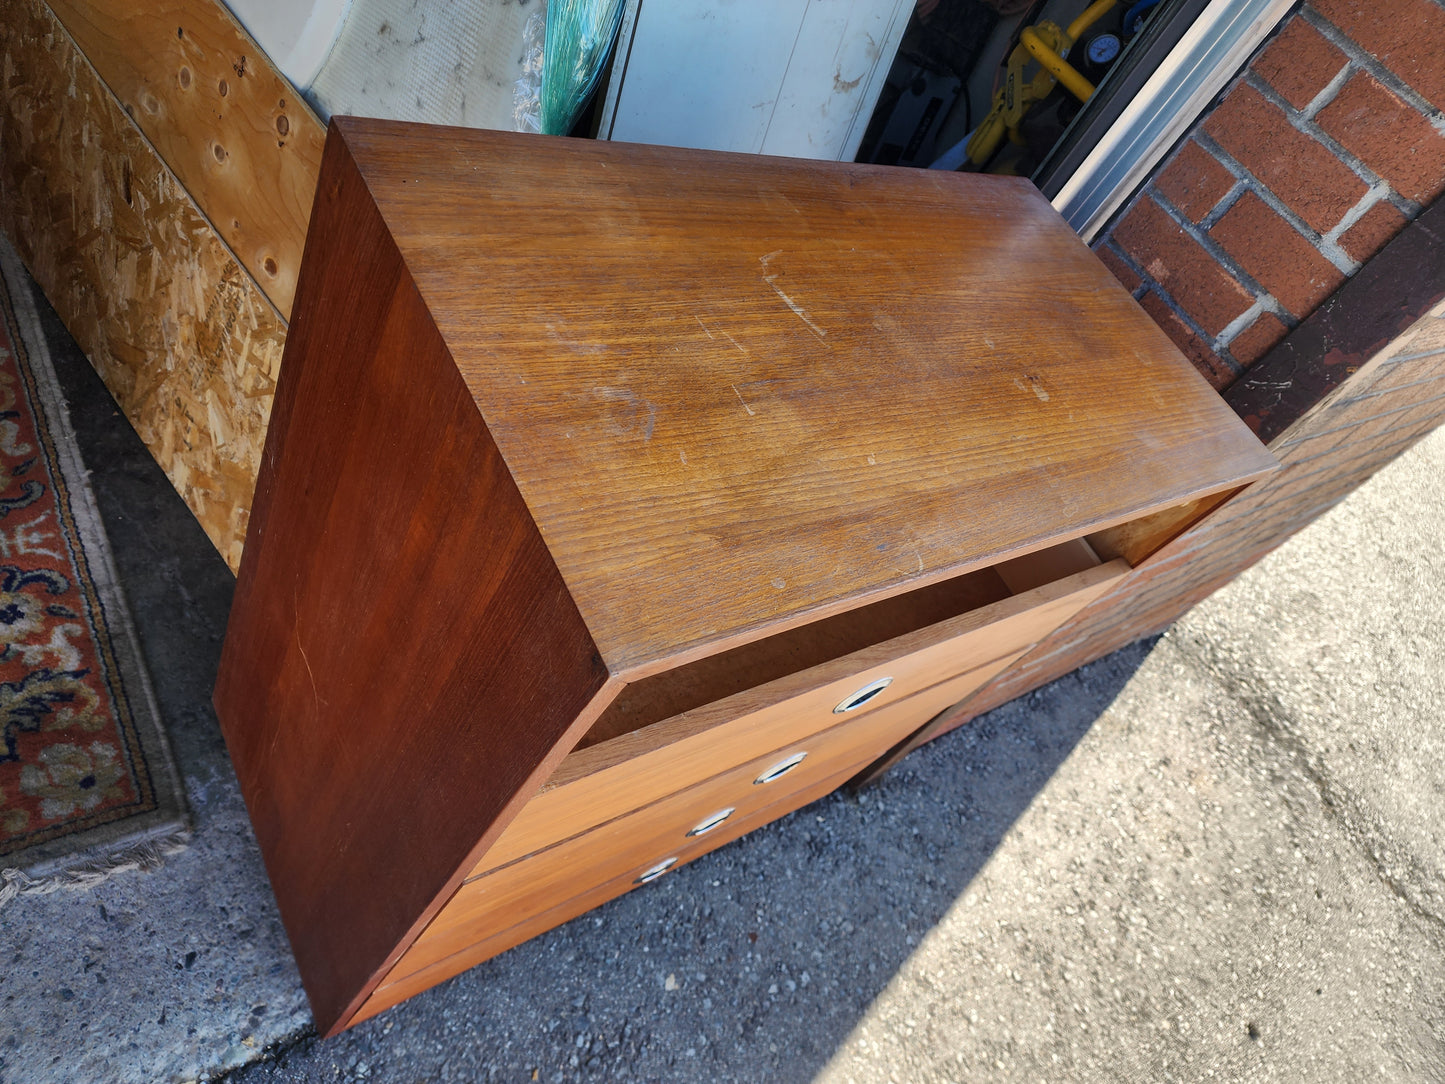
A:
(1373, 67)
(1336, 256)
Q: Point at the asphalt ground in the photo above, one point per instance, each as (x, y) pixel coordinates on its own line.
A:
(1216, 855)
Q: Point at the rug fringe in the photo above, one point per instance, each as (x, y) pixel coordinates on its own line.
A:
(146, 855)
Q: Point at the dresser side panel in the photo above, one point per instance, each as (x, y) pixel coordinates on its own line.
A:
(403, 663)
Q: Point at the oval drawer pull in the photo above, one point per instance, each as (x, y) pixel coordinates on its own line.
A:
(780, 769)
(655, 872)
(707, 824)
(863, 695)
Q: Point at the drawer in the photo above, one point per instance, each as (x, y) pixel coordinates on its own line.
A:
(407, 978)
(682, 825)
(635, 769)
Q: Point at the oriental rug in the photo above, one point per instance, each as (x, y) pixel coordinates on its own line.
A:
(87, 783)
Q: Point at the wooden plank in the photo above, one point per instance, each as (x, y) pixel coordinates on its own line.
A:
(233, 130)
(1136, 540)
(569, 811)
(1045, 566)
(742, 393)
(1398, 286)
(184, 340)
(491, 904)
(610, 779)
(403, 664)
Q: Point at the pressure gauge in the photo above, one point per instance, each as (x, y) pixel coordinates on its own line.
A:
(1102, 50)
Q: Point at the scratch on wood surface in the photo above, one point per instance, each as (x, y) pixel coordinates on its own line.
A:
(296, 631)
(1034, 385)
(734, 341)
(315, 693)
(798, 309)
(744, 402)
(705, 331)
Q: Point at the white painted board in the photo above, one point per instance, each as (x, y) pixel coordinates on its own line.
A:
(296, 35)
(797, 78)
(437, 61)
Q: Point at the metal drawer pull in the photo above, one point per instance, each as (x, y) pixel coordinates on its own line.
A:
(780, 769)
(709, 823)
(863, 695)
(655, 872)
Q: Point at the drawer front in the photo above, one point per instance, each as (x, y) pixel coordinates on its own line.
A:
(678, 827)
(412, 974)
(607, 781)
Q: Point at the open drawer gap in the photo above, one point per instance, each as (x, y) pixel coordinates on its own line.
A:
(747, 666)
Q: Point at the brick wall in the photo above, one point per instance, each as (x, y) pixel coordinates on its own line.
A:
(1330, 141)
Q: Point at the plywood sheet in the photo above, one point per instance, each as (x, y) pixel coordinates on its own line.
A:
(186, 342)
(231, 128)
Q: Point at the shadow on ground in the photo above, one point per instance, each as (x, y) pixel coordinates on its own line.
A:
(754, 963)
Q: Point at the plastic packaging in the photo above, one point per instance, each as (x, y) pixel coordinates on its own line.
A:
(579, 37)
(527, 98)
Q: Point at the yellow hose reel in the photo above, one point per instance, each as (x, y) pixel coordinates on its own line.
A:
(1047, 44)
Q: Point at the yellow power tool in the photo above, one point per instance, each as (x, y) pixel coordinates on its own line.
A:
(1047, 44)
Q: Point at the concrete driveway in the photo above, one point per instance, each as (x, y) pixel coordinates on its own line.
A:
(1218, 855)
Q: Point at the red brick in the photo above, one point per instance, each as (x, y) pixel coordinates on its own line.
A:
(1255, 341)
(1299, 63)
(1408, 37)
(1122, 271)
(1203, 289)
(1388, 136)
(1210, 365)
(1372, 232)
(1194, 182)
(1271, 250)
(1311, 181)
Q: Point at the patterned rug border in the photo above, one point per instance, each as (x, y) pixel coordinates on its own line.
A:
(121, 839)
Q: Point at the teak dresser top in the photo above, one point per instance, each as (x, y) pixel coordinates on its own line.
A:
(735, 390)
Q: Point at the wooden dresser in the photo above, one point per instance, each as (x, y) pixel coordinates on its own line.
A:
(618, 500)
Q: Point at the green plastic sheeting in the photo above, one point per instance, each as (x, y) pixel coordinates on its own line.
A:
(579, 37)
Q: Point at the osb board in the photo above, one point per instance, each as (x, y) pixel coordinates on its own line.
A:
(229, 126)
(185, 341)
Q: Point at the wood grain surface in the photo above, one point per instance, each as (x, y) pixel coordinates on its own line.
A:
(569, 814)
(736, 391)
(529, 926)
(244, 144)
(638, 840)
(598, 783)
(403, 665)
(181, 335)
